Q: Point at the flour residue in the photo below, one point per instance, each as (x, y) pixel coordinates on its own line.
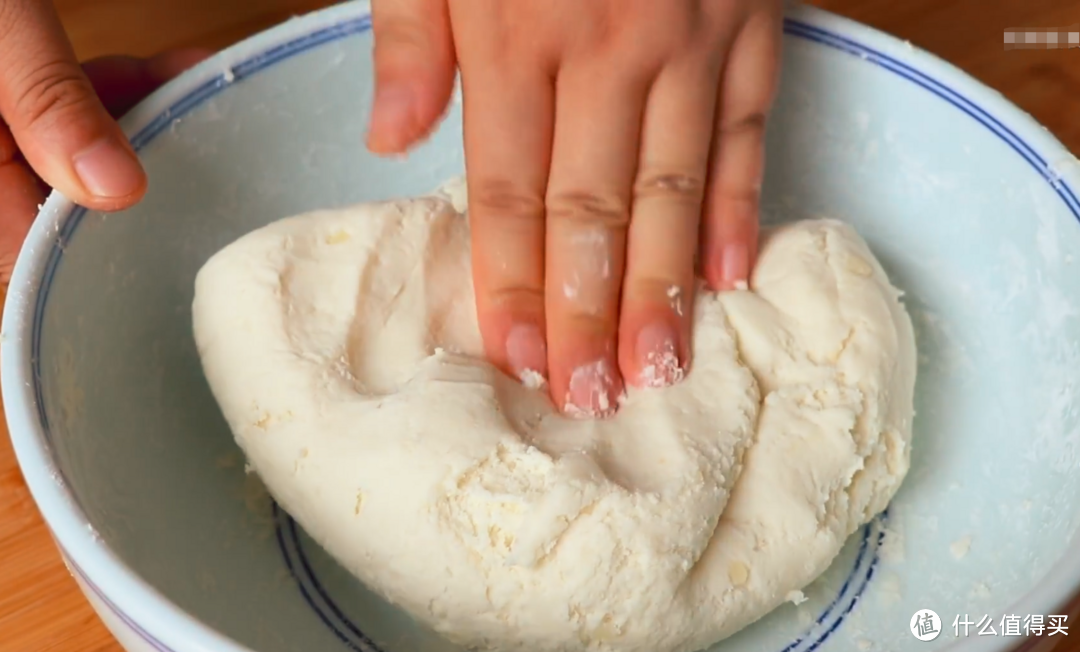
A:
(591, 253)
(675, 299)
(960, 547)
(258, 512)
(891, 549)
(72, 398)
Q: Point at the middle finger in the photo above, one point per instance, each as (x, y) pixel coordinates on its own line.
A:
(594, 157)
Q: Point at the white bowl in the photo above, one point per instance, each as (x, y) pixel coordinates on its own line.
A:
(966, 200)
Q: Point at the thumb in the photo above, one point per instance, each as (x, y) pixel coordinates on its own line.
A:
(57, 120)
(414, 71)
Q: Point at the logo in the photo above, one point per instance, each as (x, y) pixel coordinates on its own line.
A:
(925, 625)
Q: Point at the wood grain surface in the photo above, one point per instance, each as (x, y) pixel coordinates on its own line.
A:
(40, 607)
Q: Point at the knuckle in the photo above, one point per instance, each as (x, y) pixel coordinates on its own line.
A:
(739, 195)
(52, 91)
(669, 184)
(401, 33)
(515, 299)
(505, 199)
(741, 200)
(587, 325)
(750, 123)
(583, 206)
(658, 290)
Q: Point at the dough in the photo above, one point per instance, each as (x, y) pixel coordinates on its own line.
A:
(343, 349)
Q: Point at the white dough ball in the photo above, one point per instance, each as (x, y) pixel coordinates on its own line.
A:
(343, 349)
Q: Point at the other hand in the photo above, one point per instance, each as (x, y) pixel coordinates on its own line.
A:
(58, 127)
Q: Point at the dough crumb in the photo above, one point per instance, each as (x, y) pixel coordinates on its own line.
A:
(532, 379)
(796, 597)
(338, 237)
(859, 267)
(960, 547)
(663, 368)
(592, 380)
(674, 294)
(738, 573)
(891, 589)
(980, 590)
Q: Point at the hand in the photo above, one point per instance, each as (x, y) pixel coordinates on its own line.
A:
(56, 130)
(604, 141)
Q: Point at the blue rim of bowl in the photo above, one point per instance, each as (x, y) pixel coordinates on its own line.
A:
(59, 219)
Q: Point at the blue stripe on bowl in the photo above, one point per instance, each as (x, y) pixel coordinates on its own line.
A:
(336, 621)
(311, 590)
(974, 111)
(124, 618)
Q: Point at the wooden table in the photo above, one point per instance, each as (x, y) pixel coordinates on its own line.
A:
(40, 607)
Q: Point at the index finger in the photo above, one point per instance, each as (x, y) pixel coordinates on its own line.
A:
(508, 118)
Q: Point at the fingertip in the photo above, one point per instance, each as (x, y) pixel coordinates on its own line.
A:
(122, 81)
(110, 173)
(593, 389)
(406, 109)
(171, 63)
(586, 382)
(734, 266)
(526, 353)
(729, 245)
(652, 353)
(414, 72)
(395, 120)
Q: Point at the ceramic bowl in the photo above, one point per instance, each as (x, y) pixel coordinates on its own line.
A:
(966, 200)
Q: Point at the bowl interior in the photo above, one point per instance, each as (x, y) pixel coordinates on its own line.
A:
(963, 220)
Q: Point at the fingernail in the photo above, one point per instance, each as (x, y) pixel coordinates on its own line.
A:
(108, 169)
(592, 391)
(393, 116)
(735, 267)
(527, 354)
(658, 356)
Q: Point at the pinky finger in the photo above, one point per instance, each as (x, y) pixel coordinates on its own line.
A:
(730, 222)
